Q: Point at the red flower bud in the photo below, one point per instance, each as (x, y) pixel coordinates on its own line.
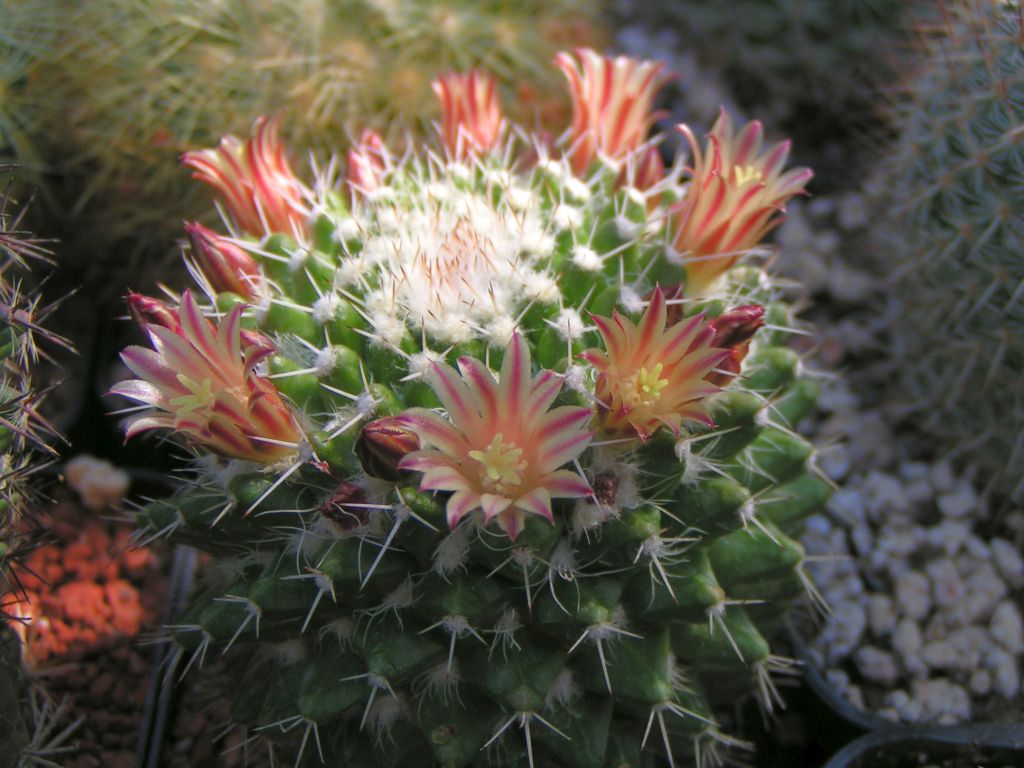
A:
(733, 331)
(345, 508)
(382, 444)
(149, 311)
(226, 265)
(736, 326)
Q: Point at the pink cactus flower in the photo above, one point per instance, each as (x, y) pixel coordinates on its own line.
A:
(471, 121)
(367, 162)
(733, 199)
(227, 266)
(200, 380)
(651, 376)
(612, 104)
(255, 181)
(502, 450)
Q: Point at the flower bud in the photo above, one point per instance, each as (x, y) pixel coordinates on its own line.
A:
(345, 509)
(226, 265)
(367, 163)
(149, 311)
(736, 326)
(733, 331)
(382, 444)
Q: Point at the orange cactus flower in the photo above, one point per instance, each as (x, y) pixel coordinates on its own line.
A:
(503, 449)
(227, 266)
(612, 104)
(733, 199)
(255, 181)
(650, 375)
(471, 120)
(200, 381)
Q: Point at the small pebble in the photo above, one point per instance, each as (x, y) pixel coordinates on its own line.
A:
(977, 548)
(941, 476)
(913, 470)
(852, 211)
(949, 535)
(881, 615)
(941, 700)
(958, 502)
(1005, 673)
(980, 683)
(884, 493)
(908, 709)
(948, 588)
(848, 505)
(939, 654)
(850, 623)
(1009, 562)
(876, 665)
(985, 589)
(913, 595)
(1007, 627)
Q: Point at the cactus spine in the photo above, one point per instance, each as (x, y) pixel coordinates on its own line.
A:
(957, 244)
(569, 549)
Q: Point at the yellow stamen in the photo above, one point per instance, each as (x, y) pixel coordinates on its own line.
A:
(746, 173)
(502, 465)
(643, 388)
(200, 394)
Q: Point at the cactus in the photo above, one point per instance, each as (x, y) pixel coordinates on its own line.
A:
(955, 246)
(572, 547)
(27, 720)
(27, 34)
(134, 84)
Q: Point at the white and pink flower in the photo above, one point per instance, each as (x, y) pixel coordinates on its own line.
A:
(199, 380)
(650, 375)
(471, 120)
(733, 199)
(255, 182)
(502, 449)
(612, 105)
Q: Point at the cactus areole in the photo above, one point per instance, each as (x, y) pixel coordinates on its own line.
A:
(488, 478)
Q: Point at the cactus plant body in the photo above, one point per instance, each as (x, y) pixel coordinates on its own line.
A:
(486, 480)
(27, 719)
(957, 250)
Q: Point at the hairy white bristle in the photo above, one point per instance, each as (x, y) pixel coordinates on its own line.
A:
(288, 652)
(325, 308)
(576, 190)
(631, 300)
(451, 553)
(563, 690)
(586, 258)
(567, 217)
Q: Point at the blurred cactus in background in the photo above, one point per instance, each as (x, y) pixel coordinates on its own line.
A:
(28, 723)
(131, 85)
(495, 446)
(27, 35)
(955, 244)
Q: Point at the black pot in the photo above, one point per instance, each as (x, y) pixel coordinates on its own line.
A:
(888, 744)
(970, 745)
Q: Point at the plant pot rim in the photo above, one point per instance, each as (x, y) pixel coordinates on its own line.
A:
(1008, 737)
(881, 731)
